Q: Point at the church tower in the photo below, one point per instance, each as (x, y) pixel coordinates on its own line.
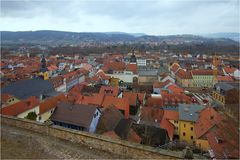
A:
(133, 58)
(43, 70)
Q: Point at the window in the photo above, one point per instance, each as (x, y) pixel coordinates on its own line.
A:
(191, 128)
(39, 118)
(191, 137)
(184, 133)
(184, 125)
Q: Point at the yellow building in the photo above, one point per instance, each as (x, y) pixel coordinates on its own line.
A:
(7, 100)
(186, 131)
(203, 78)
(184, 78)
(221, 91)
(203, 144)
(173, 117)
(114, 82)
(218, 97)
(188, 114)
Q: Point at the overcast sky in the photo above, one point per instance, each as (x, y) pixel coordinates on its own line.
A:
(162, 17)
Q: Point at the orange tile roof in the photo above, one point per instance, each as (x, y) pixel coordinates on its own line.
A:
(205, 72)
(56, 81)
(132, 97)
(183, 74)
(202, 72)
(151, 114)
(205, 123)
(224, 78)
(109, 90)
(175, 89)
(119, 103)
(228, 132)
(52, 68)
(95, 99)
(171, 115)
(168, 126)
(174, 99)
(116, 66)
(154, 102)
(20, 107)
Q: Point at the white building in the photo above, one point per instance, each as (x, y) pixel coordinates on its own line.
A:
(141, 62)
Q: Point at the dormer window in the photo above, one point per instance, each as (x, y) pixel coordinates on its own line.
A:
(219, 140)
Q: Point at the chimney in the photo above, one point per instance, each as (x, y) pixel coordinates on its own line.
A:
(40, 97)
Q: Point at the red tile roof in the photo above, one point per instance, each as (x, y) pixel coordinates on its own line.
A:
(224, 79)
(95, 99)
(168, 126)
(51, 103)
(132, 67)
(151, 114)
(119, 103)
(56, 81)
(202, 72)
(171, 115)
(5, 97)
(132, 97)
(109, 90)
(174, 99)
(229, 70)
(228, 134)
(161, 84)
(175, 89)
(116, 66)
(184, 74)
(205, 123)
(102, 75)
(175, 67)
(20, 107)
(52, 68)
(154, 102)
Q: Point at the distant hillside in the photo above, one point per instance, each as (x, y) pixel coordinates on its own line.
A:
(230, 35)
(65, 38)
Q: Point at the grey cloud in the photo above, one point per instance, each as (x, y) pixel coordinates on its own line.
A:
(150, 16)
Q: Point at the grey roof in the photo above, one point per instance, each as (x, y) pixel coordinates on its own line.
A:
(75, 114)
(26, 88)
(152, 72)
(189, 112)
(227, 86)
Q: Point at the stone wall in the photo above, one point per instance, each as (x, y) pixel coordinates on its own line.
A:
(121, 147)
